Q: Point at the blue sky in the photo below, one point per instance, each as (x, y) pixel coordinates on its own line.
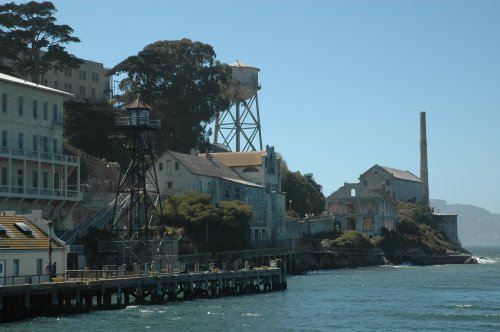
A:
(343, 82)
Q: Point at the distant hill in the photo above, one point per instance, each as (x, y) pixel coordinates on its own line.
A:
(476, 226)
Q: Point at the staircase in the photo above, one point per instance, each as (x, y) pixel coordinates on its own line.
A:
(99, 220)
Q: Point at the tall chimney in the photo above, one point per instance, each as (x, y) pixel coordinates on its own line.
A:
(424, 170)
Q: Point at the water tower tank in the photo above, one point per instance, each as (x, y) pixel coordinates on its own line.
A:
(245, 81)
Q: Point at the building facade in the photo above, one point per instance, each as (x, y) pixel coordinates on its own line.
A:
(35, 174)
(89, 81)
(371, 204)
(207, 173)
(24, 255)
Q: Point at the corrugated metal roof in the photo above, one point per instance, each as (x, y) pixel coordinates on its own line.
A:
(15, 80)
(201, 165)
(239, 159)
(400, 174)
(15, 239)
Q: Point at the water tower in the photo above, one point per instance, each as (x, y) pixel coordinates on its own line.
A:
(137, 206)
(241, 123)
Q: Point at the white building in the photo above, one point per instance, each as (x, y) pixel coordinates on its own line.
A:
(34, 172)
(252, 180)
(24, 254)
(371, 204)
(89, 81)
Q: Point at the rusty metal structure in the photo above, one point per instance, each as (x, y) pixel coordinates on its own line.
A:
(137, 210)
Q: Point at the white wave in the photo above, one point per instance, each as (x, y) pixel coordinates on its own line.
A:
(486, 260)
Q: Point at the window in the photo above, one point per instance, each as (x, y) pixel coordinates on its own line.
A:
(95, 77)
(176, 165)
(4, 138)
(387, 182)
(20, 141)
(20, 174)
(55, 146)
(4, 176)
(4, 102)
(20, 105)
(81, 90)
(55, 113)
(35, 143)
(35, 109)
(56, 85)
(93, 93)
(169, 185)
(68, 73)
(45, 144)
(226, 194)
(45, 82)
(160, 166)
(365, 183)
(15, 267)
(39, 266)
(45, 179)
(82, 74)
(367, 224)
(250, 169)
(35, 179)
(45, 111)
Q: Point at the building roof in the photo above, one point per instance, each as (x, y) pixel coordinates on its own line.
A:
(241, 65)
(15, 80)
(15, 239)
(239, 159)
(399, 174)
(207, 166)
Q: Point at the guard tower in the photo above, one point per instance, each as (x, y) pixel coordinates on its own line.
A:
(239, 127)
(137, 207)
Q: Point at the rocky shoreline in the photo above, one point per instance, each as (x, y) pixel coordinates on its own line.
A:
(353, 258)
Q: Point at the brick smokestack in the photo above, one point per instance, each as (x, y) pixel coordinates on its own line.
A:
(424, 170)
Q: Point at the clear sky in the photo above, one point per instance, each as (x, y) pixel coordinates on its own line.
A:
(343, 82)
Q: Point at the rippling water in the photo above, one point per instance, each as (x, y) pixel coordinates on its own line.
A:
(387, 298)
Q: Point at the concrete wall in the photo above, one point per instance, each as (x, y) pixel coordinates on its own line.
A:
(448, 224)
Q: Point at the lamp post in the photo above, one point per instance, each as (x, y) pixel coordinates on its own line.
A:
(290, 208)
(49, 270)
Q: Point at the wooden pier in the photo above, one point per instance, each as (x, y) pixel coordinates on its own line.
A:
(84, 293)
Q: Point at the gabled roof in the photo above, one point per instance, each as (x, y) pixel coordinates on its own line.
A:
(201, 165)
(15, 239)
(239, 159)
(397, 173)
(19, 81)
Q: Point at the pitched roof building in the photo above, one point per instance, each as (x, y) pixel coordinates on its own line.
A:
(24, 251)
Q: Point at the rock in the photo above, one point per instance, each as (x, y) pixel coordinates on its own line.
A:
(471, 260)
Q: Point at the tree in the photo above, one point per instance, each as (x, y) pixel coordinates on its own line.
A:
(183, 82)
(89, 126)
(220, 227)
(304, 192)
(30, 37)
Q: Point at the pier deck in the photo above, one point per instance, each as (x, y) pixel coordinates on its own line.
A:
(84, 294)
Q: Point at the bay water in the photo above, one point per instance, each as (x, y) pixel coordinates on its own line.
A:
(382, 298)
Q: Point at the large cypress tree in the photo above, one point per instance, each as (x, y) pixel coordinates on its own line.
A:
(30, 37)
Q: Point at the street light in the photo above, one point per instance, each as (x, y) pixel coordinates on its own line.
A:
(290, 201)
(49, 269)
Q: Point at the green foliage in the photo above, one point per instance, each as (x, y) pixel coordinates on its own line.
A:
(352, 239)
(182, 81)
(89, 126)
(414, 232)
(304, 192)
(220, 227)
(30, 37)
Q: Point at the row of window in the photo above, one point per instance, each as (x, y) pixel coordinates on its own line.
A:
(38, 109)
(82, 74)
(36, 178)
(16, 266)
(39, 143)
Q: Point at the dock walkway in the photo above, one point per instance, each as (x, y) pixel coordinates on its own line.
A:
(75, 295)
